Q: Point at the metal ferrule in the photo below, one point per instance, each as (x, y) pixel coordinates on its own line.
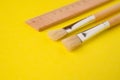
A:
(93, 31)
(80, 24)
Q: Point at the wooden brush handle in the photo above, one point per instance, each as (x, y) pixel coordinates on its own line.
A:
(115, 20)
(107, 12)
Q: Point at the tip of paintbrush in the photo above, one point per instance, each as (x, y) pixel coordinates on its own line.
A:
(57, 34)
(72, 42)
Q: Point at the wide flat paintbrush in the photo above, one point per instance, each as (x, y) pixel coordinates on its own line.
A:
(60, 33)
(75, 41)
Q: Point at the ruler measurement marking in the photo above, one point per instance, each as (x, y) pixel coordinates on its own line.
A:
(64, 13)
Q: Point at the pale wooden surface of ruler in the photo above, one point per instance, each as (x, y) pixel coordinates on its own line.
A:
(44, 21)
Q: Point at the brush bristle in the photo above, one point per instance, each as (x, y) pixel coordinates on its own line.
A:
(57, 34)
(72, 42)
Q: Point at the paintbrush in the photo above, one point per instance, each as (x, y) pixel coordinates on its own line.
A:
(60, 33)
(75, 41)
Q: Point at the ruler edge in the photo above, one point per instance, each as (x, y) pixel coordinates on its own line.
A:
(62, 20)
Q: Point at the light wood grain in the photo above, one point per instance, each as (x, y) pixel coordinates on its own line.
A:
(44, 21)
(107, 12)
(115, 20)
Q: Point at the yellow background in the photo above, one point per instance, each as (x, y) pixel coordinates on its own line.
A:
(26, 54)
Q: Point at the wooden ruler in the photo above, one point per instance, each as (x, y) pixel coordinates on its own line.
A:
(44, 21)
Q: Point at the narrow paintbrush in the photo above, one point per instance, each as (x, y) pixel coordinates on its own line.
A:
(60, 33)
(75, 41)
